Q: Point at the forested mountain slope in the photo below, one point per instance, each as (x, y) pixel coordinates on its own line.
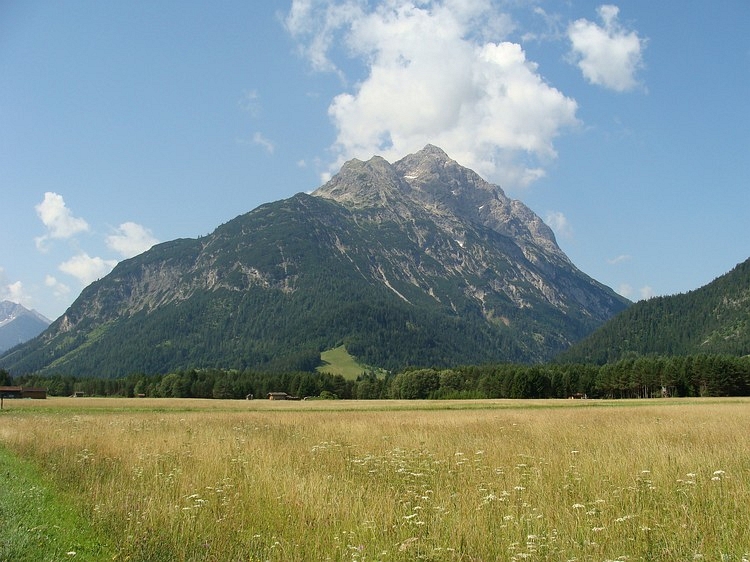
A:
(420, 262)
(714, 319)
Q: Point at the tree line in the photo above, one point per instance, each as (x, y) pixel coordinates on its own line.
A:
(642, 377)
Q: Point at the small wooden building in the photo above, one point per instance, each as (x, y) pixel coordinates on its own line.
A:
(281, 396)
(23, 392)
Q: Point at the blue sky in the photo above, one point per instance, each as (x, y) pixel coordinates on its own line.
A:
(625, 126)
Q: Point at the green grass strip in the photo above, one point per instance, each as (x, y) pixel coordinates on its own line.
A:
(36, 524)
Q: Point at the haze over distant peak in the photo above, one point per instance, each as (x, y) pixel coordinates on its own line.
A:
(19, 324)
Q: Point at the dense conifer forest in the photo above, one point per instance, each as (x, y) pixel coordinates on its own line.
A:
(643, 377)
(714, 319)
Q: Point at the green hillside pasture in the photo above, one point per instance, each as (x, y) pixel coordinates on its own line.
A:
(337, 361)
(163, 479)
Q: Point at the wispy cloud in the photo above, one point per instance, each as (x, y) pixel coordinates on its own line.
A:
(58, 289)
(264, 143)
(58, 219)
(627, 291)
(131, 239)
(250, 103)
(619, 259)
(317, 25)
(558, 222)
(438, 71)
(87, 269)
(646, 292)
(608, 55)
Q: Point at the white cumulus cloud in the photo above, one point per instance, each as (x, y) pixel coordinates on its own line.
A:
(439, 72)
(608, 55)
(15, 292)
(58, 219)
(131, 239)
(87, 269)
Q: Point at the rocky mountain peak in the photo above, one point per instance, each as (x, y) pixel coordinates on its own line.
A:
(374, 183)
(429, 163)
(430, 180)
(18, 324)
(9, 311)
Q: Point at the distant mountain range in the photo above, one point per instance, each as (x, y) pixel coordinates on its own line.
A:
(19, 325)
(714, 319)
(416, 263)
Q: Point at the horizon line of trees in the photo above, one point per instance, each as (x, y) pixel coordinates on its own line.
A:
(643, 377)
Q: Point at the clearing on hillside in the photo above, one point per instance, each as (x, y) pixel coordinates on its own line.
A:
(337, 361)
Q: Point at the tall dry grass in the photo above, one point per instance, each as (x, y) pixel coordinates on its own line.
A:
(179, 480)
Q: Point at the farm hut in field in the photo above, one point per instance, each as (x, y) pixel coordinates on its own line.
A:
(36, 393)
(23, 392)
(278, 396)
(10, 391)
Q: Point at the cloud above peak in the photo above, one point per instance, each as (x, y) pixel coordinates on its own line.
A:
(440, 72)
(13, 292)
(608, 55)
(131, 239)
(87, 269)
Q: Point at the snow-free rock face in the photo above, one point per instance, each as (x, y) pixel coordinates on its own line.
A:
(419, 262)
(431, 180)
(430, 188)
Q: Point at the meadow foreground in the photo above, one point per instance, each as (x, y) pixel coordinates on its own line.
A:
(472, 480)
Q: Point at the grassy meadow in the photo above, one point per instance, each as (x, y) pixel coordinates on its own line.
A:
(338, 361)
(170, 479)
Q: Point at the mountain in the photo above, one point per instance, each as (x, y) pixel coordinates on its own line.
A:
(420, 263)
(714, 319)
(18, 324)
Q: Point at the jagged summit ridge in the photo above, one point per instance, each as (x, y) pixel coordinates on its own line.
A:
(9, 311)
(431, 179)
(359, 184)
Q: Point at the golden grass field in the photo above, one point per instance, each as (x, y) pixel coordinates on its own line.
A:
(558, 480)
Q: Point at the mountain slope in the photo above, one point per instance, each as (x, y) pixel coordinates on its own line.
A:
(416, 263)
(18, 324)
(713, 319)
